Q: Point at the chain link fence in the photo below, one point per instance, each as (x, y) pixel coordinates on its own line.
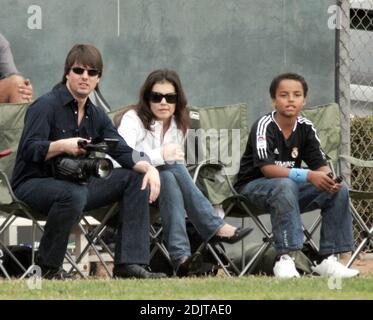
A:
(355, 92)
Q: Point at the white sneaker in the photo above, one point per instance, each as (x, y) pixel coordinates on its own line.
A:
(330, 267)
(285, 268)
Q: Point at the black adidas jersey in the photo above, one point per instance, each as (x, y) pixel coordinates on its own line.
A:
(267, 145)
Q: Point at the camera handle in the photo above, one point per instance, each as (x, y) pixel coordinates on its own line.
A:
(82, 143)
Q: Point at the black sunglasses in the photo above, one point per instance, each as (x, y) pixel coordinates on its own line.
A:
(157, 97)
(91, 72)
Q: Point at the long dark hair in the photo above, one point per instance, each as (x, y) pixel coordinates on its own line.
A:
(143, 105)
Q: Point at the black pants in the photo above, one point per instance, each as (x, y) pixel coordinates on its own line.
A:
(63, 203)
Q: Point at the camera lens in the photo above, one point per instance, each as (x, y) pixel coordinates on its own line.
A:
(104, 167)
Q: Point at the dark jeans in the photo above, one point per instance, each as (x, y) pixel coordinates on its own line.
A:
(63, 203)
(285, 200)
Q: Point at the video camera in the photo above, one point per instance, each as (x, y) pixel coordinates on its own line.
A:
(81, 169)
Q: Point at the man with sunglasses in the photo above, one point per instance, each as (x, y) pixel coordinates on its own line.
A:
(54, 124)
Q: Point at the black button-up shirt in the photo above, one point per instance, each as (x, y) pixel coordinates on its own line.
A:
(54, 116)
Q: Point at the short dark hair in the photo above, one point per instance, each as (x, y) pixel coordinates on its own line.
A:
(85, 54)
(287, 76)
(143, 105)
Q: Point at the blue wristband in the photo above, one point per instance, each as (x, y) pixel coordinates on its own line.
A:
(298, 175)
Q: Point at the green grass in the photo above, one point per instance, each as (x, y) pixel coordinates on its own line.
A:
(219, 288)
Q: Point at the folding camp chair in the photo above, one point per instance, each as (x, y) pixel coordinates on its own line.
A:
(326, 120)
(217, 183)
(98, 100)
(2, 268)
(214, 147)
(11, 126)
(11, 123)
(363, 229)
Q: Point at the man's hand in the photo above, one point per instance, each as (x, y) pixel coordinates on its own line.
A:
(26, 90)
(152, 180)
(69, 146)
(322, 181)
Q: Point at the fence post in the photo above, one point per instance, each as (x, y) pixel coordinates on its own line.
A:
(343, 79)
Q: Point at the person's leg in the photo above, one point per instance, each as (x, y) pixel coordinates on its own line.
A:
(336, 228)
(199, 209)
(9, 91)
(62, 202)
(279, 197)
(336, 225)
(171, 207)
(132, 245)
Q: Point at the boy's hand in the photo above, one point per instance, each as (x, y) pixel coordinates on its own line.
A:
(322, 181)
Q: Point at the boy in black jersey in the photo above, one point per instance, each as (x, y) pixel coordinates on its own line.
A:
(271, 177)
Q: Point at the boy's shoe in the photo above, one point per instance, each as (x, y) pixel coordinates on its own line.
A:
(285, 268)
(330, 267)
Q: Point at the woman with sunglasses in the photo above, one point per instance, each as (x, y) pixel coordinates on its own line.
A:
(157, 126)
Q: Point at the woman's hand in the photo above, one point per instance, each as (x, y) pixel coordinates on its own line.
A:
(172, 152)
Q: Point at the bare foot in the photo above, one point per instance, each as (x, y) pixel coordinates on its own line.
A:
(226, 230)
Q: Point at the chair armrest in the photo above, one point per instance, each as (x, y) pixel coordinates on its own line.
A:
(219, 166)
(205, 163)
(7, 196)
(357, 162)
(5, 153)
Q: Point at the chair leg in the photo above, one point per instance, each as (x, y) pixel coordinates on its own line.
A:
(255, 259)
(369, 237)
(94, 237)
(212, 249)
(32, 269)
(2, 268)
(68, 257)
(158, 245)
(92, 240)
(368, 234)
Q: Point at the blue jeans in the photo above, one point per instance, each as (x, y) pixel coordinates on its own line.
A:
(63, 203)
(179, 194)
(285, 199)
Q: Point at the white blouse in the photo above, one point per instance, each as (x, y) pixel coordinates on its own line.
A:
(137, 137)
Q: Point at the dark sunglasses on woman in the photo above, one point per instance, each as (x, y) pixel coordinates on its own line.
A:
(157, 97)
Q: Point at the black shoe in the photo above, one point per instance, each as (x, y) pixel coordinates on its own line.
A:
(189, 265)
(135, 271)
(239, 234)
(56, 274)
